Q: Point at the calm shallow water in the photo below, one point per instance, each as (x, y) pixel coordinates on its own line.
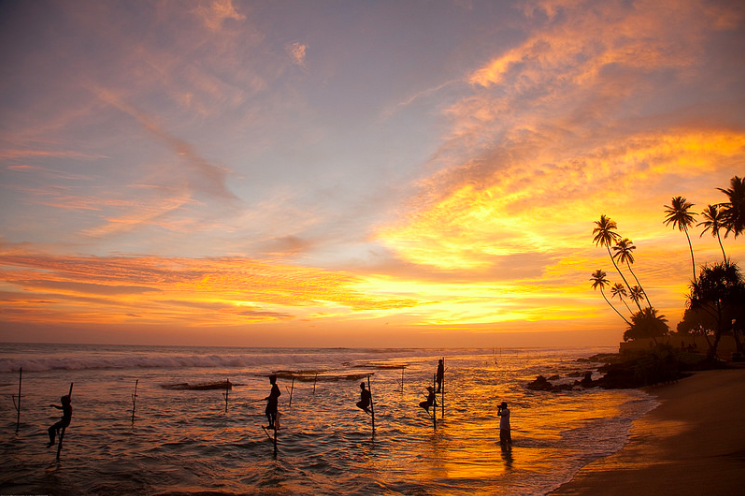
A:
(186, 442)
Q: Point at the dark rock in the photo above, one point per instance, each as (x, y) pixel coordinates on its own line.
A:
(540, 384)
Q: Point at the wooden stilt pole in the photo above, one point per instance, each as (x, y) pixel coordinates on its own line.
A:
(134, 401)
(434, 406)
(442, 390)
(276, 428)
(372, 407)
(314, 383)
(403, 369)
(18, 405)
(227, 390)
(62, 432)
(291, 391)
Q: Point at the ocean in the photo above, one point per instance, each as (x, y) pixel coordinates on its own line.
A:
(186, 441)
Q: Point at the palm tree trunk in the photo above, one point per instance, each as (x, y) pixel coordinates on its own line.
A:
(627, 306)
(738, 344)
(722, 247)
(718, 334)
(621, 274)
(639, 284)
(614, 308)
(693, 261)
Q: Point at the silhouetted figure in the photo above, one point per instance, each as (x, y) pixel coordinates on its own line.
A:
(271, 402)
(505, 438)
(364, 402)
(64, 421)
(430, 399)
(440, 374)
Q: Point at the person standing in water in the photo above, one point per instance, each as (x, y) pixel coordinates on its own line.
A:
(440, 374)
(364, 403)
(271, 402)
(63, 422)
(505, 437)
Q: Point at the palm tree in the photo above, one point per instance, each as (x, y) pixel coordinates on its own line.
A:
(619, 290)
(734, 209)
(647, 324)
(623, 250)
(605, 235)
(714, 221)
(637, 294)
(599, 281)
(678, 215)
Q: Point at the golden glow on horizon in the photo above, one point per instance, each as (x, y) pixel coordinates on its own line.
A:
(227, 291)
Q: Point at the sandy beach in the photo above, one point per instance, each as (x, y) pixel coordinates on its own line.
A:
(692, 444)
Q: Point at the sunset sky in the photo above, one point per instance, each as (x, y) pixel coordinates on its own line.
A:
(356, 173)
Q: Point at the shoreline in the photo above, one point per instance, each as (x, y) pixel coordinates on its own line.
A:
(692, 443)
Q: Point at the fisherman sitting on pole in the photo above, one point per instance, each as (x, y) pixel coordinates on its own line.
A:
(364, 402)
(64, 421)
(430, 399)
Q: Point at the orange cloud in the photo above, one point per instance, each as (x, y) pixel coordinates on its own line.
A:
(297, 52)
(195, 292)
(590, 36)
(522, 206)
(214, 13)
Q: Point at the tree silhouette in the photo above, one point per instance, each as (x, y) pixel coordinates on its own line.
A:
(678, 215)
(599, 281)
(697, 323)
(637, 294)
(734, 209)
(623, 251)
(605, 235)
(720, 292)
(619, 290)
(647, 324)
(714, 220)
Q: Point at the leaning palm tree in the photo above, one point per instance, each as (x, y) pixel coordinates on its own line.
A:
(734, 209)
(715, 221)
(619, 290)
(605, 235)
(623, 251)
(678, 215)
(599, 281)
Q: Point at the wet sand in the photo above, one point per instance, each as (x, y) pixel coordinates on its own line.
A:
(692, 444)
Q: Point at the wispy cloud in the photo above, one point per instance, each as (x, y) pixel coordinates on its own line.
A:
(214, 13)
(8, 154)
(201, 175)
(236, 288)
(297, 51)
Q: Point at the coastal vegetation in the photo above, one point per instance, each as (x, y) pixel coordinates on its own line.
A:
(715, 304)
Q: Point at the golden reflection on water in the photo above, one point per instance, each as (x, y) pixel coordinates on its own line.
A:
(325, 446)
